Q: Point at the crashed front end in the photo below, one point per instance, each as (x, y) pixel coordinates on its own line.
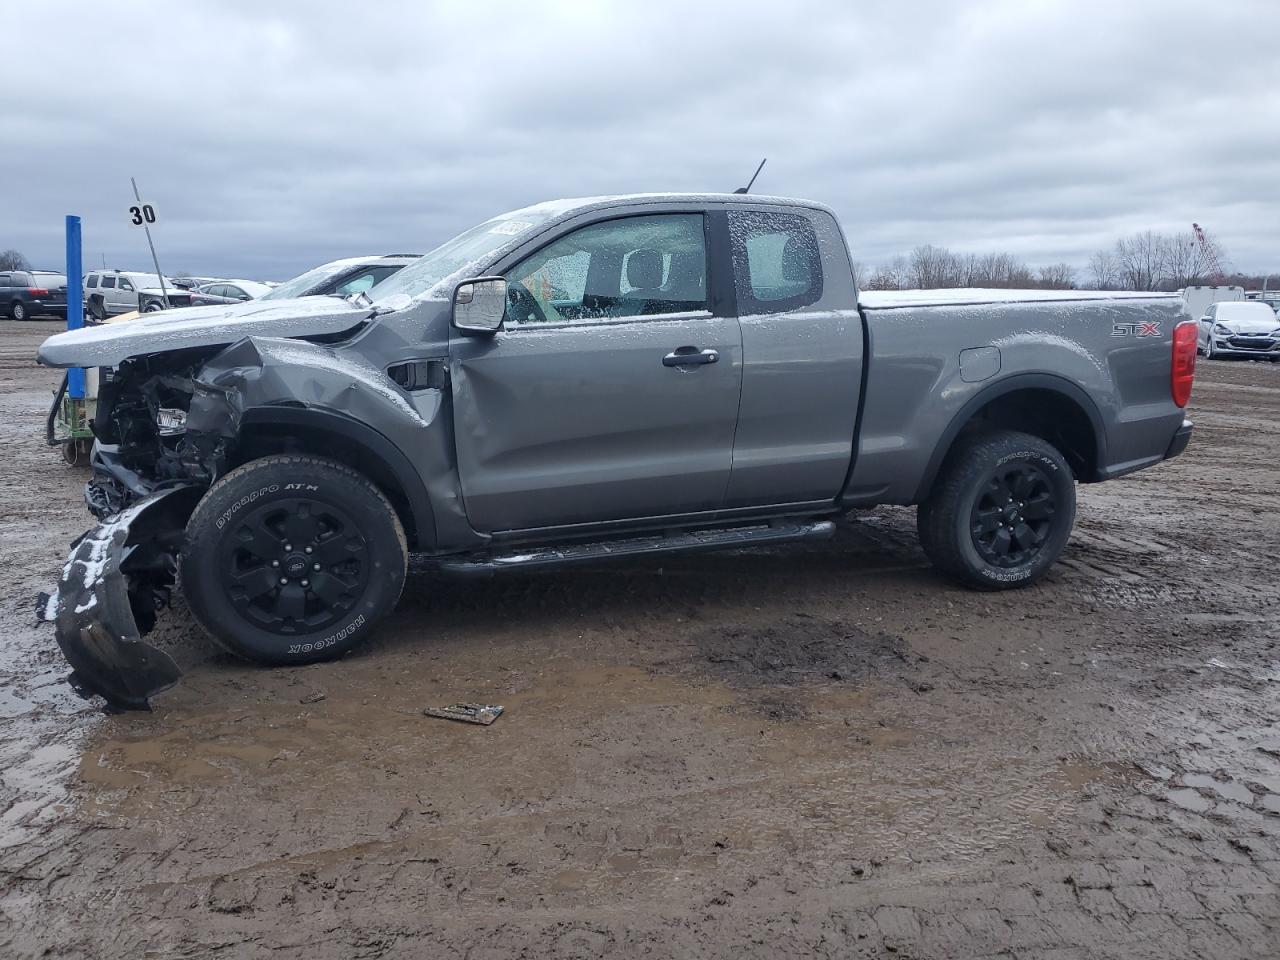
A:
(148, 474)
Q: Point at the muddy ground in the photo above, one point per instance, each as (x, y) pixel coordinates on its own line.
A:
(813, 751)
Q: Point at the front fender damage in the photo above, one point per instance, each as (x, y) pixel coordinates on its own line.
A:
(118, 576)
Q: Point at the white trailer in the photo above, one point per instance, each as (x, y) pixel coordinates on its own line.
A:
(1198, 299)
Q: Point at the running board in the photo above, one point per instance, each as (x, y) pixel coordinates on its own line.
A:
(722, 539)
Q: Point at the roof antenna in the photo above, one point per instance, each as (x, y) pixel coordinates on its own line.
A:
(747, 188)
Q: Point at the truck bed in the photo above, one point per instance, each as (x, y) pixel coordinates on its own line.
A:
(935, 357)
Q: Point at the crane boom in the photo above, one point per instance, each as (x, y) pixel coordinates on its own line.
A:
(1213, 269)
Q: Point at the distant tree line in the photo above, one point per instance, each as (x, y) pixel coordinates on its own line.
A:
(929, 267)
(1142, 261)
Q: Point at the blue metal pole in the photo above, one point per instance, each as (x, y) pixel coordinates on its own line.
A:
(75, 301)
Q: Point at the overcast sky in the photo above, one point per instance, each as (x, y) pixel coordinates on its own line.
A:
(274, 136)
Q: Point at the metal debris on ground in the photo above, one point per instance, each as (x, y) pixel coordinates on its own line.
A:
(466, 712)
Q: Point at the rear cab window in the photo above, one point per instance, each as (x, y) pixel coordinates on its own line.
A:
(109, 282)
(777, 261)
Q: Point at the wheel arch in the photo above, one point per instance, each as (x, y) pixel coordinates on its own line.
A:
(1051, 407)
(295, 429)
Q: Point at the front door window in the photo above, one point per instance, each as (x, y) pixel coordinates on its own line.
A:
(632, 267)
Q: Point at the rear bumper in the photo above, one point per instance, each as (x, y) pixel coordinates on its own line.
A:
(46, 306)
(1180, 440)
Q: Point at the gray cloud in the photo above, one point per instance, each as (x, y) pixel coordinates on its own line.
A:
(275, 136)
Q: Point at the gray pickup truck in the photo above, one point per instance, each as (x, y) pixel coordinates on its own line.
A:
(581, 380)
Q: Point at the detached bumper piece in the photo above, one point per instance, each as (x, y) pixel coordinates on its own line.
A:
(117, 578)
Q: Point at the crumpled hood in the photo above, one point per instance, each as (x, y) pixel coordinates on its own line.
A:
(1250, 325)
(109, 344)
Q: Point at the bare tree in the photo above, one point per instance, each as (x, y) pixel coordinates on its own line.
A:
(1188, 262)
(933, 267)
(1104, 272)
(1140, 260)
(859, 273)
(1058, 276)
(889, 276)
(13, 260)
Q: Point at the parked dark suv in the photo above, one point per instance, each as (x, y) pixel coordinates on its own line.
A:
(30, 293)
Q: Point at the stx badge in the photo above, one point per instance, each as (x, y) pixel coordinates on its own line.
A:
(1146, 328)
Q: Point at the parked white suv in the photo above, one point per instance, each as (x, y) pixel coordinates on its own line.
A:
(108, 293)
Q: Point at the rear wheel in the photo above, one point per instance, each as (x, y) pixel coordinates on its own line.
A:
(1001, 511)
(18, 310)
(96, 309)
(292, 559)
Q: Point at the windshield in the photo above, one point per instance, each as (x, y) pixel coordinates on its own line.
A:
(451, 256)
(299, 285)
(147, 281)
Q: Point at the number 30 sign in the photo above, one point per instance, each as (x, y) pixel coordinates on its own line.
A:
(144, 214)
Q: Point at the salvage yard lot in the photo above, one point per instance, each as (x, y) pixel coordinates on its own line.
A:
(808, 751)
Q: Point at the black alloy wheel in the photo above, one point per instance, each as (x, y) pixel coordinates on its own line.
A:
(292, 559)
(294, 565)
(1013, 515)
(1000, 511)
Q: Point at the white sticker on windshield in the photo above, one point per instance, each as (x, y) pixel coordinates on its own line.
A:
(510, 227)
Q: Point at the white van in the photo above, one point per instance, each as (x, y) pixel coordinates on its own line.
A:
(1198, 299)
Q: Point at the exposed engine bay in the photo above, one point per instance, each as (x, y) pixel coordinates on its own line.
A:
(141, 428)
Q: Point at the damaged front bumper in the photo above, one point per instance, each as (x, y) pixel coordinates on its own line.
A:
(118, 576)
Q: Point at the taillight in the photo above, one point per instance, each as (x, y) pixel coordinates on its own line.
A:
(37, 291)
(1183, 370)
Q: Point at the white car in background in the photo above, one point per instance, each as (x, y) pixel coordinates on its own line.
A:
(1246, 328)
(110, 293)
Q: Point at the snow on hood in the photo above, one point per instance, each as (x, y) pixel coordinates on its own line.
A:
(963, 296)
(108, 345)
(1247, 317)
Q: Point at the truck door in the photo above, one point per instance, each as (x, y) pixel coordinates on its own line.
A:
(802, 347)
(611, 393)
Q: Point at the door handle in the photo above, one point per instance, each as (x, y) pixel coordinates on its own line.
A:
(689, 357)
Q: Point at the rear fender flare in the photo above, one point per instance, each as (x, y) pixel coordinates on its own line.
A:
(1021, 381)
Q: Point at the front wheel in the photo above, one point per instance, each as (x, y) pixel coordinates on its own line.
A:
(1000, 512)
(292, 559)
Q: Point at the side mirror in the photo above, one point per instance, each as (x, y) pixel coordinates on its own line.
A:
(480, 305)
